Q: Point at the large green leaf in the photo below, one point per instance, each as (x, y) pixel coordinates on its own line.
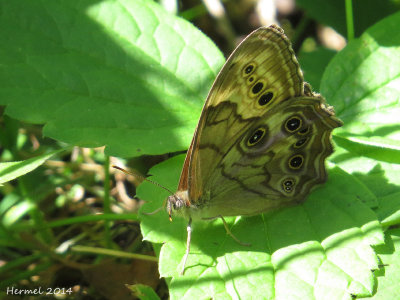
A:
(362, 82)
(318, 250)
(124, 73)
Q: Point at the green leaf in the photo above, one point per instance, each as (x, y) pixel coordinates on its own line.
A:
(389, 209)
(320, 248)
(12, 170)
(389, 275)
(378, 148)
(124, 73)
(362, 82)
(382, 179)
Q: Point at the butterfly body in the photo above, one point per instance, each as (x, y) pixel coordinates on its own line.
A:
(262, 138)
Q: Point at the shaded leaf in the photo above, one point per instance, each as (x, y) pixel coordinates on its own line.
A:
(313, 65)
(125, 74)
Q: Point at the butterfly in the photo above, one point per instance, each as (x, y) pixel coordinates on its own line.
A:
(262, 138)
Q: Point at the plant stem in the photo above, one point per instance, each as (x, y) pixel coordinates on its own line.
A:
(349, 20)
(107, 207)
(110, 252)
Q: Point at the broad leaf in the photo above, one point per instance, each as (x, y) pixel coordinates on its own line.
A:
(304, 247)
(124, 73)
(362, 82)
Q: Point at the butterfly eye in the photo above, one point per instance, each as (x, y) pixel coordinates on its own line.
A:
(265, 98)
(256, 137)
(292, 124)
(300, 143)
(247, 70)
(304, 131)
(296, 161)
(288, 185)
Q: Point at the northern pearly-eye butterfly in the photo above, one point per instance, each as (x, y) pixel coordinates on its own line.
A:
(262, 138)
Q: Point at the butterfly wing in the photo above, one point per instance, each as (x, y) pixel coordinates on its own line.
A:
(275, 163)
(263, 63)
(254, 87)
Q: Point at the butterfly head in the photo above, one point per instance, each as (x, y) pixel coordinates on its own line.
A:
(177, 203)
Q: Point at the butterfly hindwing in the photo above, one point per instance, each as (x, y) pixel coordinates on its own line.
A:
(275, 163)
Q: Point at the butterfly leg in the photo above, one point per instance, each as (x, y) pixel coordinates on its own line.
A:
(228, 231)
(189, 237)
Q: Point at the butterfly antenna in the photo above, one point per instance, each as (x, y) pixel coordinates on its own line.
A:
(142, 177)
(148, 180)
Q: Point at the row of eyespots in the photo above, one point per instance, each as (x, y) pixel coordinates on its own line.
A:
(296, 161)
(265, 97)
(293, 125)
